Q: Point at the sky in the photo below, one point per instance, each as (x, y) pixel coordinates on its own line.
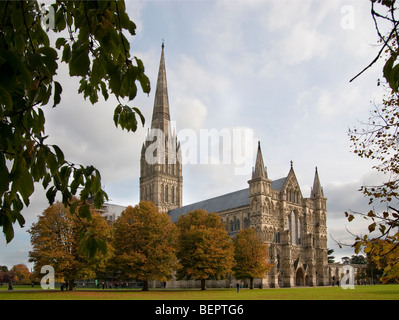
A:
(280, 69)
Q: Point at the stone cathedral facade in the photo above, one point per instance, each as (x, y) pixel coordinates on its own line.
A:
(294, 227)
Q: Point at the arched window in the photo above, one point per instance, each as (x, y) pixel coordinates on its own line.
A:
(247, 221)
(166, 194)
(287, 222)
(173, 195)
(162, 193)
(277, 237)
(235, 224)
(294, 229)
(300, 230)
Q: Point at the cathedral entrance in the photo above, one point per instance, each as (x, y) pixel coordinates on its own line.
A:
(300, 277)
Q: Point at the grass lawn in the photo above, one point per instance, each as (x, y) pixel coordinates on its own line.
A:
(376, 292)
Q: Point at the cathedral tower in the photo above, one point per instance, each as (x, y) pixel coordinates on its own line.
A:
(259, 196)
(161, 179)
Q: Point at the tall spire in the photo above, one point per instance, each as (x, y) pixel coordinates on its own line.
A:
(161, 115)
(260, 171)
(317, 190)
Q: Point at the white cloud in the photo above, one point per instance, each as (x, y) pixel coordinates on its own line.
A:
(135, 9)
(185, 108)
(302, 44)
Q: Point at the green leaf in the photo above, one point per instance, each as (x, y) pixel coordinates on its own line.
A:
(388, 74)
(26, 187)
(46, 180)
(38, 121)
(145, 83)
(52, 162)
(60, 42)
(117, 112)
(84, 212)
(8, 229)
(59, 154)
(50, 194)
(4, 178)
(49, 58)
(77, 180)
(66, 53)
(80, 62)
(140, 114)
(57, 93)
(98, 200)
(73, 207)
(20, 218)
(104, 90)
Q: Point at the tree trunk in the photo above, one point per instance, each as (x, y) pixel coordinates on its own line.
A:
(145, 285)
(251, 283)
(71, 284)
(203, 286)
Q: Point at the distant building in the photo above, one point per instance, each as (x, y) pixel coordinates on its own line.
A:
(111, 212)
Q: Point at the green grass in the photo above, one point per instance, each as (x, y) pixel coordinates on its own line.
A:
(377, 292)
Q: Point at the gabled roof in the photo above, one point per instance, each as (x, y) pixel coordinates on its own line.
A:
(278, 184)
(221, 203)
(227, 201)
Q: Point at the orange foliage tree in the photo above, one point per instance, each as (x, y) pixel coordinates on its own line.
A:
(250, 256)
(205, 248)
(21, 273)
(145, 244)
(55, 239)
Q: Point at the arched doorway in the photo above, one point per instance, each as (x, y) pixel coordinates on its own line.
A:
(300, 277)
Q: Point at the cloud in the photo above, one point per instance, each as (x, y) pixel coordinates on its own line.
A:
(346, 197)
(302, 44)
(185, 108)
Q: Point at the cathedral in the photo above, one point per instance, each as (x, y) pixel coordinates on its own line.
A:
(293, 227)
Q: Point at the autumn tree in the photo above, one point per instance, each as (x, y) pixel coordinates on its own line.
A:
(378, 140)
(250, 256)
(5, 275)
(90, 38)
(21, 273)
(205, 249)
(55, 239)
(145, 244)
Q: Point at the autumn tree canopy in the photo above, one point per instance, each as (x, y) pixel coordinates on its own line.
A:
(205, 249)
(55, 239)
(145, 243)
(250, 255)
(21, 274)
(90, 37)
